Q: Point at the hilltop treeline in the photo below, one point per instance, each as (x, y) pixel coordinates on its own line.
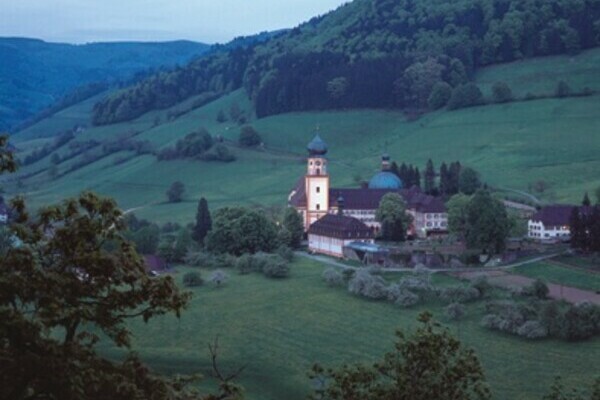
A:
(372, 53)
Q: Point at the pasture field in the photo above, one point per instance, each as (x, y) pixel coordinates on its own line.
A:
(560, 275)
(279, 328)
(512, 146)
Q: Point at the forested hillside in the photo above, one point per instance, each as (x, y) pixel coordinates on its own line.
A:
(375, 54)
(34, 73)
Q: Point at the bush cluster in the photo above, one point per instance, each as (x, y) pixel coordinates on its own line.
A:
(270, 265)
(407, 292)
(540, 319)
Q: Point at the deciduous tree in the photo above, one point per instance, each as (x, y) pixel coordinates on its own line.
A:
(237, 230)
(175, 192)
(292, 222)
(468, 181)
(393, 217)
(487, 224)
(427, 364)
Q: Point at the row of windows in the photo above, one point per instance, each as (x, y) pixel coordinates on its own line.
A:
(434, 216)
(547, 235)
(436, 224)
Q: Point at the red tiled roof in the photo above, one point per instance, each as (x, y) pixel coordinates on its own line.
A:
(369, 199)
(558, 214)
(341, 227)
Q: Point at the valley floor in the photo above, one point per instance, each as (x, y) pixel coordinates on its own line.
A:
(279, 328)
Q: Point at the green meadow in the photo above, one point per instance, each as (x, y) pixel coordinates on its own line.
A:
(560, 275)
(512, 145)
(279, 328)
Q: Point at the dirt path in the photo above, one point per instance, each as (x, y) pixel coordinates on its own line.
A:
(507, 280)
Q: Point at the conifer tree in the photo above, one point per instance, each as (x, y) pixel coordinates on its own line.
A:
(429, 177)
(403, 173)
(577, 228)
(203, 222)
(586, 200)
(444, 181)
(417, 178)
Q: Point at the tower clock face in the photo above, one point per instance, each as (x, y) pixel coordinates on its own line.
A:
(318, 163)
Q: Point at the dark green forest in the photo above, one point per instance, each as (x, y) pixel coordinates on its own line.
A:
(372, 53)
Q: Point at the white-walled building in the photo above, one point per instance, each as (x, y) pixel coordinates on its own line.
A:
(552, 222)
(331, 233)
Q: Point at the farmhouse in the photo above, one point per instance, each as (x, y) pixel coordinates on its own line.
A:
(314, 198)
(552, 222)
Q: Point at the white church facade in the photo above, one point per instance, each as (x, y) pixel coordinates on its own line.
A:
(314, 198)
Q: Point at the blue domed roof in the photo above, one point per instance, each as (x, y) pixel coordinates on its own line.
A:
(317, 146)
(385, 180)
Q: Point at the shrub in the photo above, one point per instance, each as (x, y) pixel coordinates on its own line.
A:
(582, 321)
(532, 330)
(455, 311)
(224, 261)
(506, 316)
(537, 289)
(218, 152)
(459, 294)
(407, 298)
(501, 92)
(245, 264)
(276, 267)
(402, 296)
(348, 274)
(414, 283)
(218, 278)
(366, 285)
(175, 192)
(199, 259)
(482, 285)
(249, 137)
(463, 96)
(333, 277)
(552, 318)
(285, 252)
(440, 94)
(192, 279)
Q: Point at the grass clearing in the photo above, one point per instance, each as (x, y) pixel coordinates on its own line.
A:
(553, 273)
(512, 145)
(280, 328)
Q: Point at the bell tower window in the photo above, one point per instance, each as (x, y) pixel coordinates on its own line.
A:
(318, 189)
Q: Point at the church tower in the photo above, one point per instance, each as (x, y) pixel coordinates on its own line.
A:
(317, 181)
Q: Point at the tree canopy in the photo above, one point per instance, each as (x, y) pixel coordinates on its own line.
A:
(370, 54)
(238, 230)
(426, 364)
(487, 225)
(392, 215)
(50, 352)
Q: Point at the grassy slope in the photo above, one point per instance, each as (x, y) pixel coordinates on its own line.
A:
(281, 327)
(512, 145)
(561, 275)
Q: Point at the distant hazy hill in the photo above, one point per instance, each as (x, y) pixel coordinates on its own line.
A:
(371, 54)
(34, 73)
